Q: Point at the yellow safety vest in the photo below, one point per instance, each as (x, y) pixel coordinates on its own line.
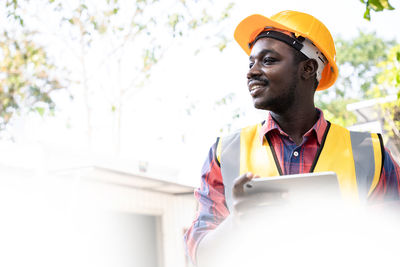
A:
(356, 158)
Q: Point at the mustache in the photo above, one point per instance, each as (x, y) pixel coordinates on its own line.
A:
(259, 80)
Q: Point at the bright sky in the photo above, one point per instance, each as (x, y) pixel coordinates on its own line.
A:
(155, 119)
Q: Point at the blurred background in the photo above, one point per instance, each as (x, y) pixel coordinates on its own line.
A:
(108, 109)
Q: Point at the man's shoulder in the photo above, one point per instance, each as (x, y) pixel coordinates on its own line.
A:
(249, 128)
(342, 129)
(338, 127)
(233, 137)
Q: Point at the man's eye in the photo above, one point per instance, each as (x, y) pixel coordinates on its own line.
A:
(268, 60)
(251, 65)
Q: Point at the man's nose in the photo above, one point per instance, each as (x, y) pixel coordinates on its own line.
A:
(254, 71)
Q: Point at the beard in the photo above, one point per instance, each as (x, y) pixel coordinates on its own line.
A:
(282, 102)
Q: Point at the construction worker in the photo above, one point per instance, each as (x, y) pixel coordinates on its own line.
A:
(291, 55)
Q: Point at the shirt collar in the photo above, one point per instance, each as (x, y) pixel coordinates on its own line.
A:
(319, 127)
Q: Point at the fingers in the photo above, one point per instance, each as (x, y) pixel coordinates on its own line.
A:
(240, 202)
(239, 183)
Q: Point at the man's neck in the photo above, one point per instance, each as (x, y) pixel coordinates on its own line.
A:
(296, 123)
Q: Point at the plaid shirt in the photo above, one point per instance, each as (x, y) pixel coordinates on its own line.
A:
(212, 208)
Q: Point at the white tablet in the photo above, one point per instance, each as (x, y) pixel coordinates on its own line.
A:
(308, 186)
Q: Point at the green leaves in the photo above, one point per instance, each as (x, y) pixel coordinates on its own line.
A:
(40, 110)
(359, 68)
(388, 83)
(379, 5)
(390, 76)
(13, 7)
(106, 40)
(26, 79)
(398, 56)
(226, 12)
(174, 20)
(376, 5)
(360, 56)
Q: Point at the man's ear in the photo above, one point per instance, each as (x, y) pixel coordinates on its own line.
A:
(309, 68)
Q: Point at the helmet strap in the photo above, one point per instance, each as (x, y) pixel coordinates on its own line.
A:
(293, 42)
(299, 43)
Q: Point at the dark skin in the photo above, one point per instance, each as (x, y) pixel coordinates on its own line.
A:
(284, 87)
(279, 84)
(287, 88)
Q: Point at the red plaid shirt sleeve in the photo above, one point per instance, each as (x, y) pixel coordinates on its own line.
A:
(212, 209)
(388, 187)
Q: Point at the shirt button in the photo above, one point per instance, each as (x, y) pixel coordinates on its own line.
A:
(295, 153)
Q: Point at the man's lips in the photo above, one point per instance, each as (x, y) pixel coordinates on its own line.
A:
(256, 90)
(255, 87)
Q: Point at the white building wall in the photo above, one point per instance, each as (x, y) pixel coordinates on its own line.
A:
(63, 202)
(176, 213)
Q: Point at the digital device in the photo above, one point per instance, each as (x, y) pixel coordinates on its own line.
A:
(321, 186)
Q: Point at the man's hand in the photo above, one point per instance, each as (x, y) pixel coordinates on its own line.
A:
(245, 204)
(240, 202)
(238, 185)
(214, 246)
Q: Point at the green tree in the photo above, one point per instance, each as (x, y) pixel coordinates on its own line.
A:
(390, 76)
(358, 60)
(27, 78)
(110, 38)
(388, 83)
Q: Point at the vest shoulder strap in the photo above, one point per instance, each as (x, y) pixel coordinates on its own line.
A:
(241, 152)
(356, 157)
(228, 155)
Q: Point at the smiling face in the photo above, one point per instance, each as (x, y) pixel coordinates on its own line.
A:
(273, 75)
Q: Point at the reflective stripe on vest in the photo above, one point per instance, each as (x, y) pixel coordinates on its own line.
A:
(356, 158)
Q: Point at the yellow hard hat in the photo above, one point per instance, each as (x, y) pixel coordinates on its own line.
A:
(299, 23)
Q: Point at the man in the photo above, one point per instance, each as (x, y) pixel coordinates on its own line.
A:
(292, 55)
